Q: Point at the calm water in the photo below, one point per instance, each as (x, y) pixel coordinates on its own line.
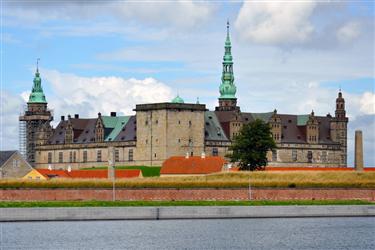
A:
(296, 233)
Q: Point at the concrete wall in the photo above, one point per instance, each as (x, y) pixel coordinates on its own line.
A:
(191, 194)
(191, 212)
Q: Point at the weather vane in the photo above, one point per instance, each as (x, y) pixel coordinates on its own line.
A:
(37, 64)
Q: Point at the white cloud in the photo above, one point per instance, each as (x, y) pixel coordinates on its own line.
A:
(349, 31)
(11, 106)
(89, 95)
(368, 103)
(275, 22)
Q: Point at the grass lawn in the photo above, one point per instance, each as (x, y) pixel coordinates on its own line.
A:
(291, 179)
(5, 204)
(146, 170)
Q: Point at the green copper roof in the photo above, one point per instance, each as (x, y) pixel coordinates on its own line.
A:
(227, 87)
(37, 95)
(178, 99)
(114, 124)
(302, 120)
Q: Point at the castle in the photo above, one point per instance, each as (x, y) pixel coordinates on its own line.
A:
(160, 130)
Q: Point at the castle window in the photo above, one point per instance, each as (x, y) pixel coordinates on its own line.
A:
(274, 155)
(309, 156)
(215, 152)
(84, 156)
(16, 163)
(154, 155)
(146, 122)
(130, 155)
(146, 141)
(60, 157)
(179, 122)
(70, 156)
(189, 123)
(117, 155)
(324, 156)
(99, 156)
(294, 155)
(179, 140)
(49, 157)
(157, 121)
(74, 156)
(191, 153)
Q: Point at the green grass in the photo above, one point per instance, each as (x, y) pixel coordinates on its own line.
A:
(146, 170)
(94, 203)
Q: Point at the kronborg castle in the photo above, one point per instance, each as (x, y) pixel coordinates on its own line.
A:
(160, 130)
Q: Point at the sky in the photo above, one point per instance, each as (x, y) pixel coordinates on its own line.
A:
(103, 56)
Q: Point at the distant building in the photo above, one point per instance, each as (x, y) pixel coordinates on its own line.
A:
(13, 165)
(159, 131)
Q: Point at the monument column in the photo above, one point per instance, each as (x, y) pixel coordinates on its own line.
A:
(358, 151)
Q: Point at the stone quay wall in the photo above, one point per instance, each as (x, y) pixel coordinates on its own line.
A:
(174, 194)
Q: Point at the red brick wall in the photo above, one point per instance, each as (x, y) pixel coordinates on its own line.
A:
(188, 194)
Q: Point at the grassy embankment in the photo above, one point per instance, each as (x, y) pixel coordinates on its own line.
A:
(146, 171)
(293, 179)
(5, 204)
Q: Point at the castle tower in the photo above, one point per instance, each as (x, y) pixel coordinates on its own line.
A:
(227, 99)
(37, 118)
(339, 128)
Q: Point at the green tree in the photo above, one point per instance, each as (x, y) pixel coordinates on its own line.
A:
(250, 147)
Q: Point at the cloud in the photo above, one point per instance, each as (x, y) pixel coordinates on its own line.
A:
(275, 22)
(172, 14)
(349, 31)
(90, 95)
(11, 106)
(309, 24)
(368, 103)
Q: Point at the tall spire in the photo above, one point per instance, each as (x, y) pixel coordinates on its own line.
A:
(227, 87)
(37, 95)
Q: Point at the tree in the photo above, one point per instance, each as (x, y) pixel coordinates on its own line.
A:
(250, 147)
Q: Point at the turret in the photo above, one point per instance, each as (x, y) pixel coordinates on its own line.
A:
(339, 127)
(227, 99)
(275, 124)
(312, 129)
(99, 129)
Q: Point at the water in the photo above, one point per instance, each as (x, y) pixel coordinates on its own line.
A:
(283, 233)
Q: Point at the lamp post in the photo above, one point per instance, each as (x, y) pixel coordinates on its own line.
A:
(112, 171)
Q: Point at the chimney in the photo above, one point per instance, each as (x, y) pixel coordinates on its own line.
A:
(62, 118)
(76, 116)
(113, 114)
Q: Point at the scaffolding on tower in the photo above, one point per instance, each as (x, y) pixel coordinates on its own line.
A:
(22, 134)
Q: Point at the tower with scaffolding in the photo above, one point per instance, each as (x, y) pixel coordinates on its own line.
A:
(34, 126)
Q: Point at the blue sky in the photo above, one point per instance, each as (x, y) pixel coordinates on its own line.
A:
(109, 55)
